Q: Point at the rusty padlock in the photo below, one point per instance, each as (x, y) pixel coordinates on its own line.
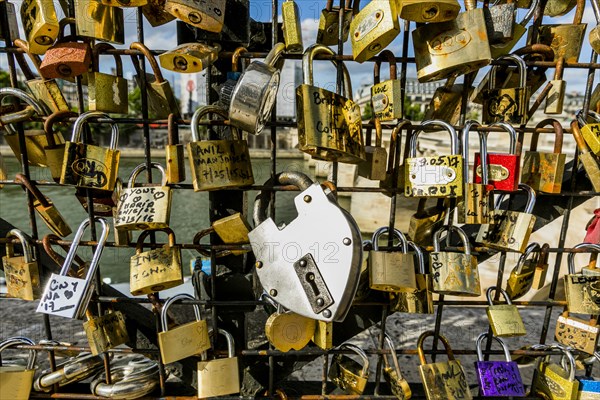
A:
(67, 58)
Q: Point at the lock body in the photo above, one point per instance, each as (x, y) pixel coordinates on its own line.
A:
(48, 92)
(106, 332)
(500, 21)
(183, 341)
(40, 24)
(475, 208)
(218, 377)
(565, 40)
(16, 382)
(65, 296)
(373, 29)
(505, 320)
(455, 274)
(504, 171)
(175, 161)
(189, 58)
(444, 380)
(13, 27)
(582, 293)
(543, 171)
(233, 230)
(446, 102)
(66, 60)
(89, 166)
(511, 231)
(591, 135)
(107, 93)
(577, 333)
(439, 176)
(289, 331)
(94, 20)
(35, 142)
(428, 11)
(292, 30)
(347, 374)
(506, 105)
(499, 379)
(323, 337)
(155, 270)
(392, 271)
(22, 278)
(207, 15)
(552, 381)
(387, 100)
(416, 301)
(327, 33)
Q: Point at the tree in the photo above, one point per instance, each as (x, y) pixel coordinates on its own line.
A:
(367, 113)
(412, 111)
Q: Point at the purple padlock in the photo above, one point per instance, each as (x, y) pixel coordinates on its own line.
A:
(498, 378)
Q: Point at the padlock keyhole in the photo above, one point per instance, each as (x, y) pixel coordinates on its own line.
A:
(310, 278)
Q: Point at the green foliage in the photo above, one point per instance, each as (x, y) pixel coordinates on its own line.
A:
(412, 111)
(367, 113)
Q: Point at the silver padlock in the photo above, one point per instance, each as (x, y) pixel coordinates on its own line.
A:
(294, 263)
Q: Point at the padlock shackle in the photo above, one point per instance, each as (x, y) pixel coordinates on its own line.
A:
(170, 301)
(596, 8)
(530, 13)
(482, 151)
(397, 233)
(395, 142)
(479, 343)
(387, 340)
(26, 97)
(142, 167)
(512, 134)
(51, 120)
(298, 179)
(491, 289)
(531, 198)
(57, 258)
(129, 379)
(566, 353)
(391, 59)
(19, 340)
(543, 50)
(307, 67)
(103, 46)
(579, 10)
(521, 67)
(441, 338)
(83, 118)
(361, 353)
(593, 114)
(33, 189)
(73, 370)
(140, 242)
(437, 237)
(24, 240)
(578, 136)
(235, 58)
(229, 339)
(274, 55)
(558, 133)
(571, 257)
(420, 256)
(559, 69)
(207, 110)
(151, 60)
(529, 250)
(436, 122)
(62, 25)
(97, 254)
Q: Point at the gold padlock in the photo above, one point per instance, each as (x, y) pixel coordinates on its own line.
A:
(590, 131)
(328, 32)
(541, 268)
(590, 164)
(391, 271)
(40, 24)
(502, 49)
(419, 300)
(394, 178)
(426, 221)
(106, 331)
(94, 20)
(376, 156)
(521, 277)
(220, 376)
(156, 269)
(428, 11)
(347, 374)
(107, 92)
(504, 319)
(289, 331)
(174, 152)
(122, 237)
(55, 152)
(184, 340)
(233, 229)
(386, 96)
(374, 28)
(16, 380)
(556, 8)
(21, 272)
(392, 373)
(189, 58)
(556, 96)
(207, 15)
(155, 13)
(323, 336)
(551, 381)
(446, 102)
(577, 333)
(292, 30)
(582, 291)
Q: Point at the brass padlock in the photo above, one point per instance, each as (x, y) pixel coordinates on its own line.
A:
(13, 27)
(328, 32)
(500, 20)
(447, 101)
(556, 8)
(292, 29)
(541, 268)
(521, 277)
(519, 30)
(147, 207)
(544, 172)
(373, 29)
(89, 166)
(45, 208)
(392, 374)
(594, 35)
(590, 164)
(582, 291)
(21, 272)
(220, 376)
(106, 92)
(386, 96)
(161, 99)
(208, 15)
(155, 13)
(218, 164)
(347, 374)
(394, 176)
(189, 58)
(287, 331)
(94, 20)
(55, 152)
(323, 336)
(184, 340)
(504, 319)
(16, 380)
(590, 131)
(452, 48)
(556, 96)
(40, 24)
(419, 300)
(577, 333)
(454, 273)
(391, 271)
(376, 156)
(510, 229)
(157, 269)
(444, 379)
(66, 58)
(428, 11)
(426, 221)
(329, 124)
(504, 169)
(233, 229)
(174, 152)
(106, 331)
(438, 176)
(551, 381)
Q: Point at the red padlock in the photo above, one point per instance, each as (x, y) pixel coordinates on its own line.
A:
(503, 168)
(593, 229)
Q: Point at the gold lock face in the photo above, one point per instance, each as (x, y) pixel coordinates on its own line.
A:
(52, 218)
(97, 21)
(346, 374)
(543, 171)
(323, 336)
(47, 92)
(553, 382)
(124, 3)
(592, 168)
(233, 230)
(505, 320)
(565, 40)
(207, 15)
(445, 380)
(155, 13)
(189, 58)
(373, 29)
(455, 274)
(289, 331)
(510, 231)
(155, 270)
(422, 227)
(90, 166)
(418, 301)
(387, 100)
(218, 377)
(107, 93)
(40, 24)
(582, 293)
(329, 26)
(35, 142)
(183, 341)
(591, 135)
(428, 11)
(577, 333)
(392, 271)
(175, 162)
(519, 283)
(439, 176)
(15, 382)
(292, 31)
(399, 386)
(506, 105)
(374, 168)
(22, 278)
(445, 104)
(106, 332)
(475, 207)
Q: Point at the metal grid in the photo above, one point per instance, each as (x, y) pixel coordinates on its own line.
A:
(236, 199)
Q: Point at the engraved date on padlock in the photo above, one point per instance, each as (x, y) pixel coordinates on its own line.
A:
(432, 174)
(313, 283)
(496, 172)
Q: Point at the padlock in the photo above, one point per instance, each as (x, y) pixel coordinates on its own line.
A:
(21, 272)
(220, 376)
(391, 271)
(541, 268)
(157, 269)
(306, 283)
(426, 221)
(233, 76)
(189, 58)
(13, 27)
(419, 300)
(452, 48)
(292, 30)
(218, 164)
(66, 296)
(323, 336)
(155, 13)
(556, 96)
(185, 340)
(94, 20)
(582, 291)
(504, 319)
(147, 207)
(438, 176)
(556, 8)
(590, 131)
(106, 331)
(125, 3)
(594, 35)
(329, 124)
(373, 29)
(504, 170)
(552, 381)
(45, 208)
(287, 330)
(122, 237)
(89, 166)
(428, 11)
(103, 201)
(131, 377)
(501, 104)
(565, 39)
(75, 369)
(54, 151)
(544, 171)
(443, 379)
(591, 164)
(206, 15)
(254, 95)
(66, 58)
(46, 91)
(161, 100)
(40, 24)
(174, 152)
(16, 380)
(577, 333)
(500, 20)
(394, 176)
(511, 229)
(233, 229)
(392, 373)
(502, 49)
(474, 208)
(106, 92)
(386, 96)
(348, 374)
(328, 32)
(447, 101)
(521, 277)
(376, 156)
(589, 388)
(498, 378)
(592, 228)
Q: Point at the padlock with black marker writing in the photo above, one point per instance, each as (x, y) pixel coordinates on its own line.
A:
(582, 291)
(40, 24)
(578, 333)
(106, 331)
(21, 272)
(374, 28)
(498, 378)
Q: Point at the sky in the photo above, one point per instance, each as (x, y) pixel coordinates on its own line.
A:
(164, 38)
